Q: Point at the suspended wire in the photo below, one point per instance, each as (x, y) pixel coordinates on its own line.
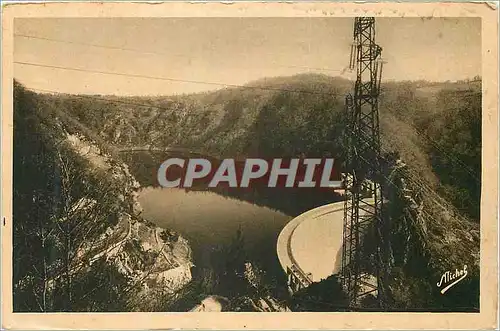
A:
(467, 168)
(171, 79)
(420, 182)
(93, 45)
(411, 176)
(342, 71)
(99, 98)
(414, 178)
(448, 155)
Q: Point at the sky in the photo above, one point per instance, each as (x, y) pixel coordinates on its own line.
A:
(186, 55)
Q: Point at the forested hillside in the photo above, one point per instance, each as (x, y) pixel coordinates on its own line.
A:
(434, 128)
(79, 242)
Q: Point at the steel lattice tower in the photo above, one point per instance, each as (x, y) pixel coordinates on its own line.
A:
(363, 180)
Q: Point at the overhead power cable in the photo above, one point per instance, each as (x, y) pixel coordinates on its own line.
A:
(250, 87)
(449, 156)
(117, 48)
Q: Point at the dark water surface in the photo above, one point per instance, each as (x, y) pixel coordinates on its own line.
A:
(209, 220)
(211, 217)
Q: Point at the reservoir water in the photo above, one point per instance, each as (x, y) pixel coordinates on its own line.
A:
(210, 220)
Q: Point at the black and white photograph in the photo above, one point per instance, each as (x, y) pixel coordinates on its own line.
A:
(247, 164)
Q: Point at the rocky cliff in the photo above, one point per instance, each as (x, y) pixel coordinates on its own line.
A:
(80, 243)
(155, 258)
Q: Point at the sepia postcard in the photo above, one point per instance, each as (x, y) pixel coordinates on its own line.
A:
(249, 166)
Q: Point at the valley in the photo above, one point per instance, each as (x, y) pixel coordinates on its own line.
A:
(230, 232)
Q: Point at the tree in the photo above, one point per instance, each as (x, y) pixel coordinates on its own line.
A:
(61, 208)
(326, 295)
(236, 258)
(456, 149)
(228, 264)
